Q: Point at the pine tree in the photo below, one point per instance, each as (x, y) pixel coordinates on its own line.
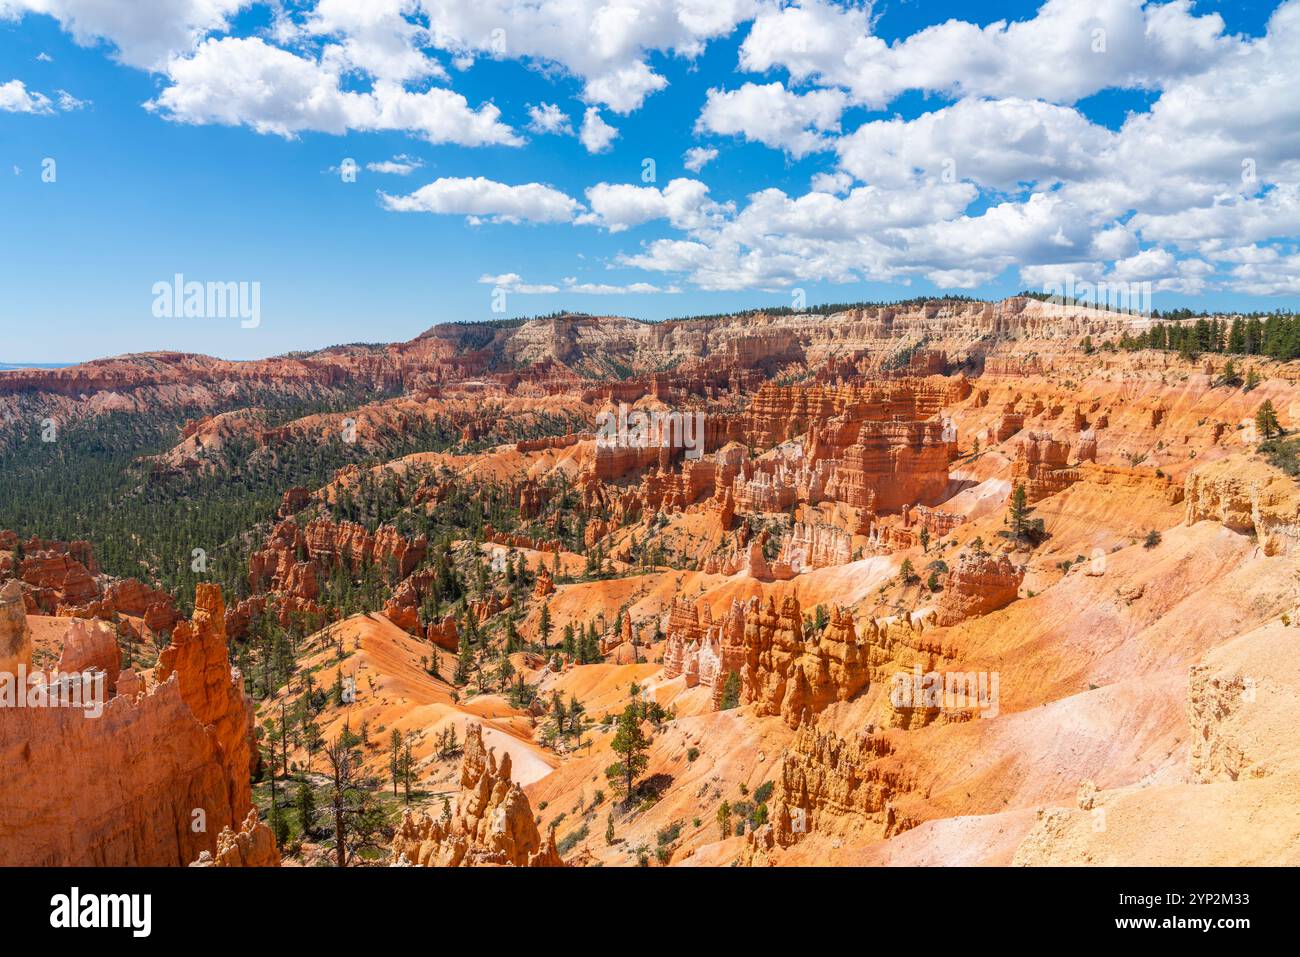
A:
(906, 572)
(406, 766)
(357, 819)
(730, 692)
(1266, 420)
(1019, 510)
(306, 805)
(394, 757)
(278, 824)
(558, 712)
(544, 625)
(631, 744)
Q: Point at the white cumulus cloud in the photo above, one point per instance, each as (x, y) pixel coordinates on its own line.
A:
(483, 199)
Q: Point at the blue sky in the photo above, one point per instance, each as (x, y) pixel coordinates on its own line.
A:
(881, 152)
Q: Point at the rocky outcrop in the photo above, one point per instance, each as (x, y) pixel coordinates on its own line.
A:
(493, 822)
(294, 501)
(135, 598)
(152, 779)
(533, 497)
(198, 660)
(289, 566)
(60, 579)
(785, 674)
(91, 646)
(704, 650)
(780, 671)
(1246, 496)
(55, 578)
(545, 585)
(816, 545)
(826, 782)
(444, 633)
(252, 845)
(980, 583)
(15, 635)
(1212, 699)
(1042, 466)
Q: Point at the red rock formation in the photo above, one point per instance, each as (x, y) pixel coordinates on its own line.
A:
(60, 581)
(726, 511)
(817, 545)
(595, 531)
(252, 845)
(91, 647)
(826, 781)
(979, 584)
(750, 560)
(324, 544)
(1041, 465)
(288, 567)
(779, 672)
(532, 499)
(493, 822)
(1008, 425)
(493, 537)
(493, 604)
(198, 658)
(443, 633)
(55, 578)
(80, 550)
(151, 780)
(294, 501)
(154, 605)
(545, 584)
(553, 442)
(781, 675)
(15, 636)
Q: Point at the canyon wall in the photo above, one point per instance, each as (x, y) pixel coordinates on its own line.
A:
(153, 779)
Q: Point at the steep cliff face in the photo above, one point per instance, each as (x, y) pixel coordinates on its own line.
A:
(492, 824)
(150, 780)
